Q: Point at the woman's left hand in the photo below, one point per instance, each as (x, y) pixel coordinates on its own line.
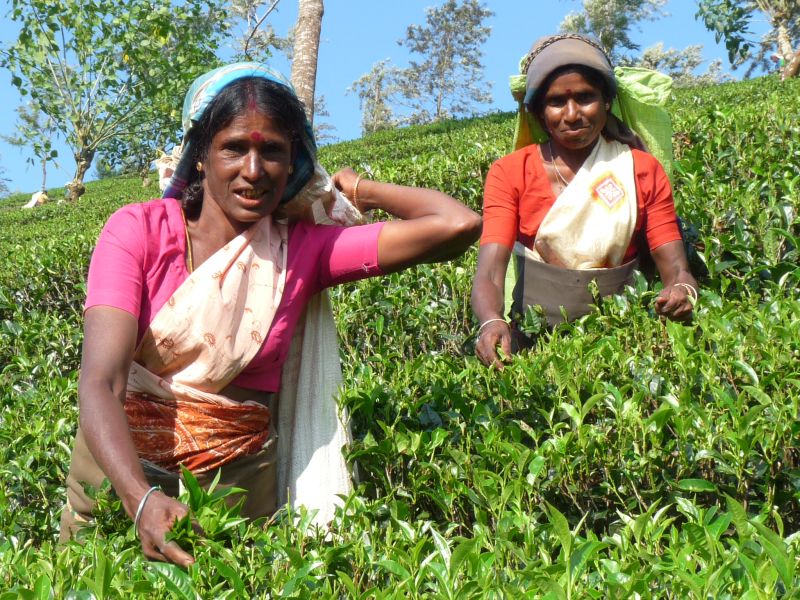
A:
(431, 225)
(675, 302)
(345, 182)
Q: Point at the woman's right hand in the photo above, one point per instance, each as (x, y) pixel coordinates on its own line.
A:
(158, 516)
(108, 346)
(493, 336)
(345, 181)
(488, 305)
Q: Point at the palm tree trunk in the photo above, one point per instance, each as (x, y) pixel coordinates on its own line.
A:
(306, 50)
(792, 67)
(784, 41)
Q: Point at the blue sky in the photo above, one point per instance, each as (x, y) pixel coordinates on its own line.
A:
(358, 33)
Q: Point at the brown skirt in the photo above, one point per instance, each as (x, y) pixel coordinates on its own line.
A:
(255, 473)
(554, 288)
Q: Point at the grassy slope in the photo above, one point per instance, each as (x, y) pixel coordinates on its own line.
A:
(621, 455)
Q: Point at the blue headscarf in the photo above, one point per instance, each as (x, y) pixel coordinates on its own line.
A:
(203, 91)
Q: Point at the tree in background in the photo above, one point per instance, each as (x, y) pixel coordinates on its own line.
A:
(258, 38)
(134, 154)
(610, 21)
(35, 130)
(446, 84)
(323, 132)
(376, 91)
(448, 81)
(155, 126)
(104, 169)
(680, 65)
(101, 68)
(3, 183)
(305, 52)
(730, 20)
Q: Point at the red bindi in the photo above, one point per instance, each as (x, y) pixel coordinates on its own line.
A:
(256, 136)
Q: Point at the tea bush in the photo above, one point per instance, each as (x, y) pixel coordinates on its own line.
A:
(620, 456)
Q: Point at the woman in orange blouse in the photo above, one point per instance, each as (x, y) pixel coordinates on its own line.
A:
(582, 206)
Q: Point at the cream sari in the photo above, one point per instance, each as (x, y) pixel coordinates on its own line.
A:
(175, 411)
(202, 338)
(589, 228)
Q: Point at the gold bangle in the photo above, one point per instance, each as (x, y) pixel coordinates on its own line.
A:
(355, 193)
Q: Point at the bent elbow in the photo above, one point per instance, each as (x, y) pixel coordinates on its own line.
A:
(475, 227)
(467, 229)
(461, 234)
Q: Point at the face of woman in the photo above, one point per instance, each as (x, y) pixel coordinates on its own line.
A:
(574, 112)
(246, 169)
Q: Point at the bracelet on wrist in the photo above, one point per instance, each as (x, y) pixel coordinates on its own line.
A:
(485, 323)
(690, 290)
(355, 193)
(140, 509)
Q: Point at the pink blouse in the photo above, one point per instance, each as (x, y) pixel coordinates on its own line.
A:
(138, 264)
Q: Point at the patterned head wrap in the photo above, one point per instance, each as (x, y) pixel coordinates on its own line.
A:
(554, 51)
(202, 92)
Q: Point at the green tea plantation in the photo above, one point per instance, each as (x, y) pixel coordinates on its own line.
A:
(621, 457)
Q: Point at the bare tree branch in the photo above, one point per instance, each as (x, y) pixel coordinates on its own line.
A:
(254, 29)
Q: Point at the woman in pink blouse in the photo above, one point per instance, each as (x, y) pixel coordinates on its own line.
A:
(193, 301)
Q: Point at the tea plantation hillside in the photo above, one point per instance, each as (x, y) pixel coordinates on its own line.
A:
(621, 457)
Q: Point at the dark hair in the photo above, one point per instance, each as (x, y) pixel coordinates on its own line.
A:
(615, 128)
(267, 97)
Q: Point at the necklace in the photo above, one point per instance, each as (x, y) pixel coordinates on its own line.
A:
(189, 259)
(555, 166)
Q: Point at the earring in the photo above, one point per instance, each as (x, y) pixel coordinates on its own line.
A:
(291, 169)
(199, 166)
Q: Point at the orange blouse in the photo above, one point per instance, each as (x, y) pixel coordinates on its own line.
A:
(517, 196)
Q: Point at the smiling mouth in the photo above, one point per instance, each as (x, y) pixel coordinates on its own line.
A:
(252, 194)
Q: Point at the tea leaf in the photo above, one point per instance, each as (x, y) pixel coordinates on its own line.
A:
(176, 580)
(696, 485)
(776, 550)
(561, 528)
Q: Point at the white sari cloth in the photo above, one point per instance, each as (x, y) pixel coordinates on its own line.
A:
(589, 229)
(592, 221)
(199, 341)
(312, 429)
